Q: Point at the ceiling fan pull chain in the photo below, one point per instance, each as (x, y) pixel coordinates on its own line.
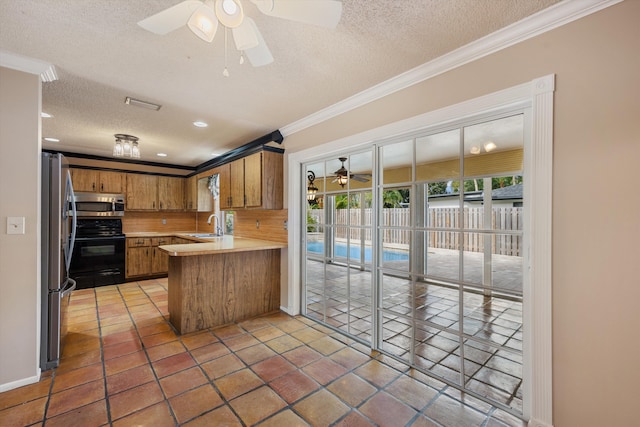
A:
(226, 71)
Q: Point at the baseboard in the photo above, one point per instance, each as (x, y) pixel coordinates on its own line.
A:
(286, 310)
(19, 383)
(538, 423)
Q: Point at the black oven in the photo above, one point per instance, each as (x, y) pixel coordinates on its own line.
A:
(99, 254)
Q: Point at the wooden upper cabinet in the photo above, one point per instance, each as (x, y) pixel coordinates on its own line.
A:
(142, 192)
(224, 173)
(254, 182)
(95, 181)
(170, 193)
(111, 182)
(191, 193)
(236, 180)
(84, 180)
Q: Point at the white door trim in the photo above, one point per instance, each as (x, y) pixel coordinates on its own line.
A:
(537, 368)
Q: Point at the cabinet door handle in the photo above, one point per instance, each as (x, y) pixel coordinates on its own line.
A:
(160, 205)
(102, 188)
(93, 186)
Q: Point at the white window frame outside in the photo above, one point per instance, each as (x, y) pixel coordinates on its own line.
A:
(538, 164)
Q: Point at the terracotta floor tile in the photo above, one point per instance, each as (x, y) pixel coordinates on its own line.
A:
(182, 381)
(377, 373)
(272, 368)
(157, 339)
(122, 363)
(195, 403)
(25, 393)
(324, 370)
(222, 366)
(173, 364)
(225, 332)
(302, 356)
(132, 400)
(354, 419)
(73, 398)
(240, 341)
(76, 377)
(349, 358)
(94, 414)
(423, 421)
(121, 349)
(118, 328)
(82, 326)
(256, 353)
(267, 334)
(291, 325)
(157, 415)
(326, 345)
(238, 383)
(25, 414)
(257, 405)
(284, 343)
(165, 350)
(254, 324)
(209, 352)
(75, 362)
(129, 379)
(411, 392)
(115, 320)
(73, 348)
(321, 408)
(154, 329)
(119, 337)
(221, 417)
(294, 386)
(286, 418)
(198, 339)
(352, 389)
(384, 409)
(307, 335)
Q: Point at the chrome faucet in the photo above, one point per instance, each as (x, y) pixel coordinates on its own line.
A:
(216, 224)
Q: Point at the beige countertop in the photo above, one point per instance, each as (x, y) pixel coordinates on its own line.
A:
(223, 244)
(159, 233)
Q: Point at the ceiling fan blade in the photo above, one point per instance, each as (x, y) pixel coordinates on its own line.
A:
(259, 55)
(245, 36)
(359, 178)
(324, 13)
(170, 19)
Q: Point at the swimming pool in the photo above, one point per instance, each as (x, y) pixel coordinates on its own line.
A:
(340, 250)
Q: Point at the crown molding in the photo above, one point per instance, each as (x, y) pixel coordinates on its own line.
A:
(546, 20)
(46, 71)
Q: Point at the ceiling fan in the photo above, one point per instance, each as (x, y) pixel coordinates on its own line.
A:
(343, 176)
(203, 17)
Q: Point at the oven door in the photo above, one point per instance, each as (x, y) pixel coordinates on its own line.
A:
(98, 261)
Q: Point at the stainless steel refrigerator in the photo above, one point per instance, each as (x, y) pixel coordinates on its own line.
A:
(58, 238)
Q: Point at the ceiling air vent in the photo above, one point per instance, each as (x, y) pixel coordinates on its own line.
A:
(142, 104)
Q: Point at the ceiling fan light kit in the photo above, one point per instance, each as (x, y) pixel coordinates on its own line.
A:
(204, 17)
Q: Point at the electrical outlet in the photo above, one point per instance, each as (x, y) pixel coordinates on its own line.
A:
(164, 221)
(257, 223)
(286, 225)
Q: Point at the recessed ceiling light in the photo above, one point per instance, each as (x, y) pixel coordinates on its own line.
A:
(162, 154)
(200, 124)
(45, 115)
(216, 154)
(52, 139)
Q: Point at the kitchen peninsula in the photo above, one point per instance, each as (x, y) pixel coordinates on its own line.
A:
(224, 280)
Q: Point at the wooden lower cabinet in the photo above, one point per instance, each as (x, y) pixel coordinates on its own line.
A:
(145, 259)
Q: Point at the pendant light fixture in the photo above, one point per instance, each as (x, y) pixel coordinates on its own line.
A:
(126, 146)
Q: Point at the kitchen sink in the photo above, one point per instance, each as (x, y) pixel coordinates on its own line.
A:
(202, 235)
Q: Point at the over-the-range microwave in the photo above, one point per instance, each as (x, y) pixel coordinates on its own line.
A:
(99, 204)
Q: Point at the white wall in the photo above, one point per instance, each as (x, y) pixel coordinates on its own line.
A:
(20, 98)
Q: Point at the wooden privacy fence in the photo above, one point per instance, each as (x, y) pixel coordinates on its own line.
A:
(444, 225)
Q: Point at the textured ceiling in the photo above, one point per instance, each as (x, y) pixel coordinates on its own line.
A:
(102, 56)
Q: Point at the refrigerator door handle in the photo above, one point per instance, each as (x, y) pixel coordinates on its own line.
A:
(69, 287)
(70, 199)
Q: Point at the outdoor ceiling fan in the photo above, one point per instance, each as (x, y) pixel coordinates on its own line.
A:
(204, 17)
(343, 176)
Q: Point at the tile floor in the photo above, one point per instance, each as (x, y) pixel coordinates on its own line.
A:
(123, 365)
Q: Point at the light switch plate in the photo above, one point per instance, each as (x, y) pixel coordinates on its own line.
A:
(15, 225)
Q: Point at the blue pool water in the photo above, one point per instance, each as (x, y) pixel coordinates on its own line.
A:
(340, 250)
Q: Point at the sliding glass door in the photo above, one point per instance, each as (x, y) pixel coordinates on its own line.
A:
(427, 230)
